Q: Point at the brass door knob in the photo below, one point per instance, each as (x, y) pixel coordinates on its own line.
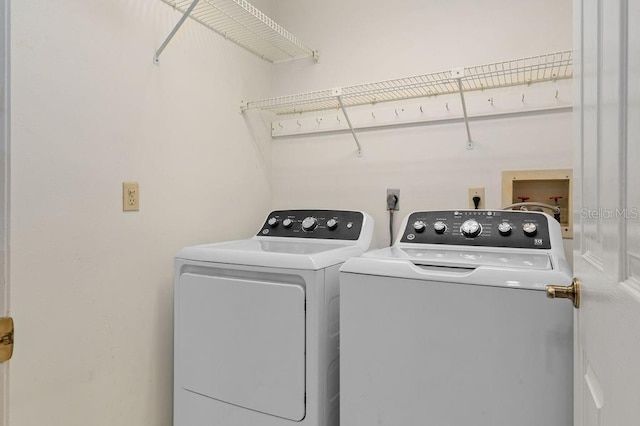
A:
(6, 339)
(566, 292)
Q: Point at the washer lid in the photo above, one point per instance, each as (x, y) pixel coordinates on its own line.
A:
(278, 253)
(524, 269)
(474, 258)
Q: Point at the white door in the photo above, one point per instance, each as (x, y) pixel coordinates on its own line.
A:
(4, 187)
(607, 230)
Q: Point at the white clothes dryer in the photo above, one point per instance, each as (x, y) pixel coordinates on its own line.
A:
(257, 322)
(451, 326)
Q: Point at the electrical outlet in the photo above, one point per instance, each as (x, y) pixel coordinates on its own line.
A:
(393, 199)
(130, 197)
(476, 192)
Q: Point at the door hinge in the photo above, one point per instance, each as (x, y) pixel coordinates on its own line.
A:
(6, 339)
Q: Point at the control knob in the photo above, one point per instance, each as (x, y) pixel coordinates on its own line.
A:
(309, 224)
(419, 226)
(273, 222)
(439, 227)
(332, 224)
(471, 228)
(287, 223)
(530, 229)
(505, 229)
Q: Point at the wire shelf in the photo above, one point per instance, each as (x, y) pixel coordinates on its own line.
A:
(533, 69)
(242, 23)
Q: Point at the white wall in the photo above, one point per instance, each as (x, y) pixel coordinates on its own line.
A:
(364, 40)
(91, 286)
(361, 41)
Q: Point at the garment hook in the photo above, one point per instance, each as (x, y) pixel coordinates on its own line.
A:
(556, 94)
(396, 112)
(523, 97)
(447, 105)
(338, 118)
(298, 123)
(280, 125)
(373, 115)
(421, 108)
(490, 100)
(318, 120)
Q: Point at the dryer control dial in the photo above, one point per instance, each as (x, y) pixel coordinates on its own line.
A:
(309, 224)
(530, 229)
(332, 224)
(272, 222)
(471, 228)
(287, 223)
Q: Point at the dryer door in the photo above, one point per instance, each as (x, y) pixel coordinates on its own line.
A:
(243, 342)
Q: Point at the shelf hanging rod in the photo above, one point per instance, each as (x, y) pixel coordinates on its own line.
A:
(458, 74)
(466, 117)
(156, 58)
(338, 93)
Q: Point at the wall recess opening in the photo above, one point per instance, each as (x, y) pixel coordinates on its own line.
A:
(553, 187)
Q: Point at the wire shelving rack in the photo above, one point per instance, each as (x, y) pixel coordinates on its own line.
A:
(243, 24)
(529, 70)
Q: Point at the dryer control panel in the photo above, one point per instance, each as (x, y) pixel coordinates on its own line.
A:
(485, 228)
(320, 224)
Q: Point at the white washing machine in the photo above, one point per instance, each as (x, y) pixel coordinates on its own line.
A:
(257, 322)
(451, 326)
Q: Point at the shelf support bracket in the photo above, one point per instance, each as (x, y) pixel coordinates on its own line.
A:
(156, 57)
(458, 73)
(338, 94)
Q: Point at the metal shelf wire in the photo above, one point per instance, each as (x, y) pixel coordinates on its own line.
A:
(533, 69)
(242, 23)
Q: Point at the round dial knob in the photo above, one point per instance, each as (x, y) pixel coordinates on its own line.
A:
(471, 228)
(287, 223)
(332, 224)
(419, 226)
(504, 229)
(309, 224)
(272, 222)
(439, 227)
(530, 229)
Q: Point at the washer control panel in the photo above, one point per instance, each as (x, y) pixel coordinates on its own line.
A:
(320, 224)
(487, 228)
